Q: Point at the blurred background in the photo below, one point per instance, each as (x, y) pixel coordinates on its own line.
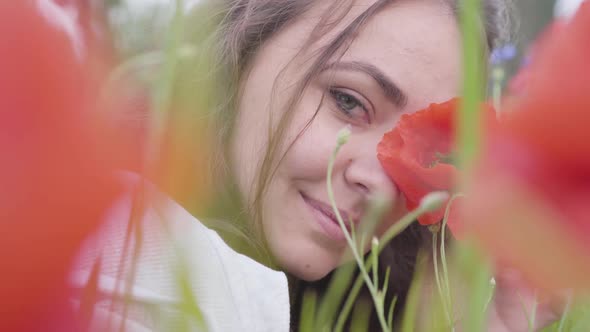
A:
(141, 25)
(140, 32)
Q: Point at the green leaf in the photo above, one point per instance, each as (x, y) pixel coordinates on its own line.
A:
(473, 69)
(307, 321)
(333, 297)
(413, 299)
(360, 316)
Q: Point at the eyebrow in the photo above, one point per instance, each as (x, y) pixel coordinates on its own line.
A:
(390, 89)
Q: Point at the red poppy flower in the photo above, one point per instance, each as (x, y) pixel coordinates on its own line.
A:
(418, 156)
(528, 201)
(55, 167)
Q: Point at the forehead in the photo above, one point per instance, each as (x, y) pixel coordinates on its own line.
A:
(415, 43)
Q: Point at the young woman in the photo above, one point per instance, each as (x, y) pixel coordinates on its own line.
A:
(305, 69)
(294, 72)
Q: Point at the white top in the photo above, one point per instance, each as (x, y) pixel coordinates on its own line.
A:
(566, 8)
(178, 261)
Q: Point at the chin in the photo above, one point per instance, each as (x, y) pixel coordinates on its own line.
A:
(310, 267)
(302, 251)
(311, 274)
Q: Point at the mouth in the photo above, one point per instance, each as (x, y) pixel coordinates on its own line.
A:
(326, 218)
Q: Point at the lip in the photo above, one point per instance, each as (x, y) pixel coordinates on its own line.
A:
(326, 218)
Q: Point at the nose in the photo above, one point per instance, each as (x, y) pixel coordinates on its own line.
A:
(363, 172)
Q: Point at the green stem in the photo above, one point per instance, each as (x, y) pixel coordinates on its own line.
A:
(375, 258)
(347, 308)
(437, 278)
(365, 275)
(400, 226)
(443, 254)
(469, 117)
(497, 79)
(391, 232)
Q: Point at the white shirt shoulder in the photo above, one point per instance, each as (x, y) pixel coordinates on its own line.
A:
(157, 268)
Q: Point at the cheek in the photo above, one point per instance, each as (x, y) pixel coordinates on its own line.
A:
(246, 151)
(307, 160)
(309, 141)
(310, 151)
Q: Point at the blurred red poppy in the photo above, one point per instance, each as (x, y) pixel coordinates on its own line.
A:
(56, 162)
(528, 201)
(518, 83)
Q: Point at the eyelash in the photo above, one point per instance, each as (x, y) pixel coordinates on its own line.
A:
(337, 94)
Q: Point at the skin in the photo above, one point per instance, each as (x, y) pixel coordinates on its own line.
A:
(415, 45)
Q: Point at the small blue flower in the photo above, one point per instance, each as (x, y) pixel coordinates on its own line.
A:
(502, 54)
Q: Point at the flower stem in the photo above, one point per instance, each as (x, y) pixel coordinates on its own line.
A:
(497, 80)
(391, 232)
(365, 275)
(468, 135)
(443, 254)
(437, 278)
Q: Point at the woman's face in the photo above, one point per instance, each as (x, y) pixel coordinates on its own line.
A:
(405, 57)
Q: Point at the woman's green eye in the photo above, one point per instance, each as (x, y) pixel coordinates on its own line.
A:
(347, 103)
